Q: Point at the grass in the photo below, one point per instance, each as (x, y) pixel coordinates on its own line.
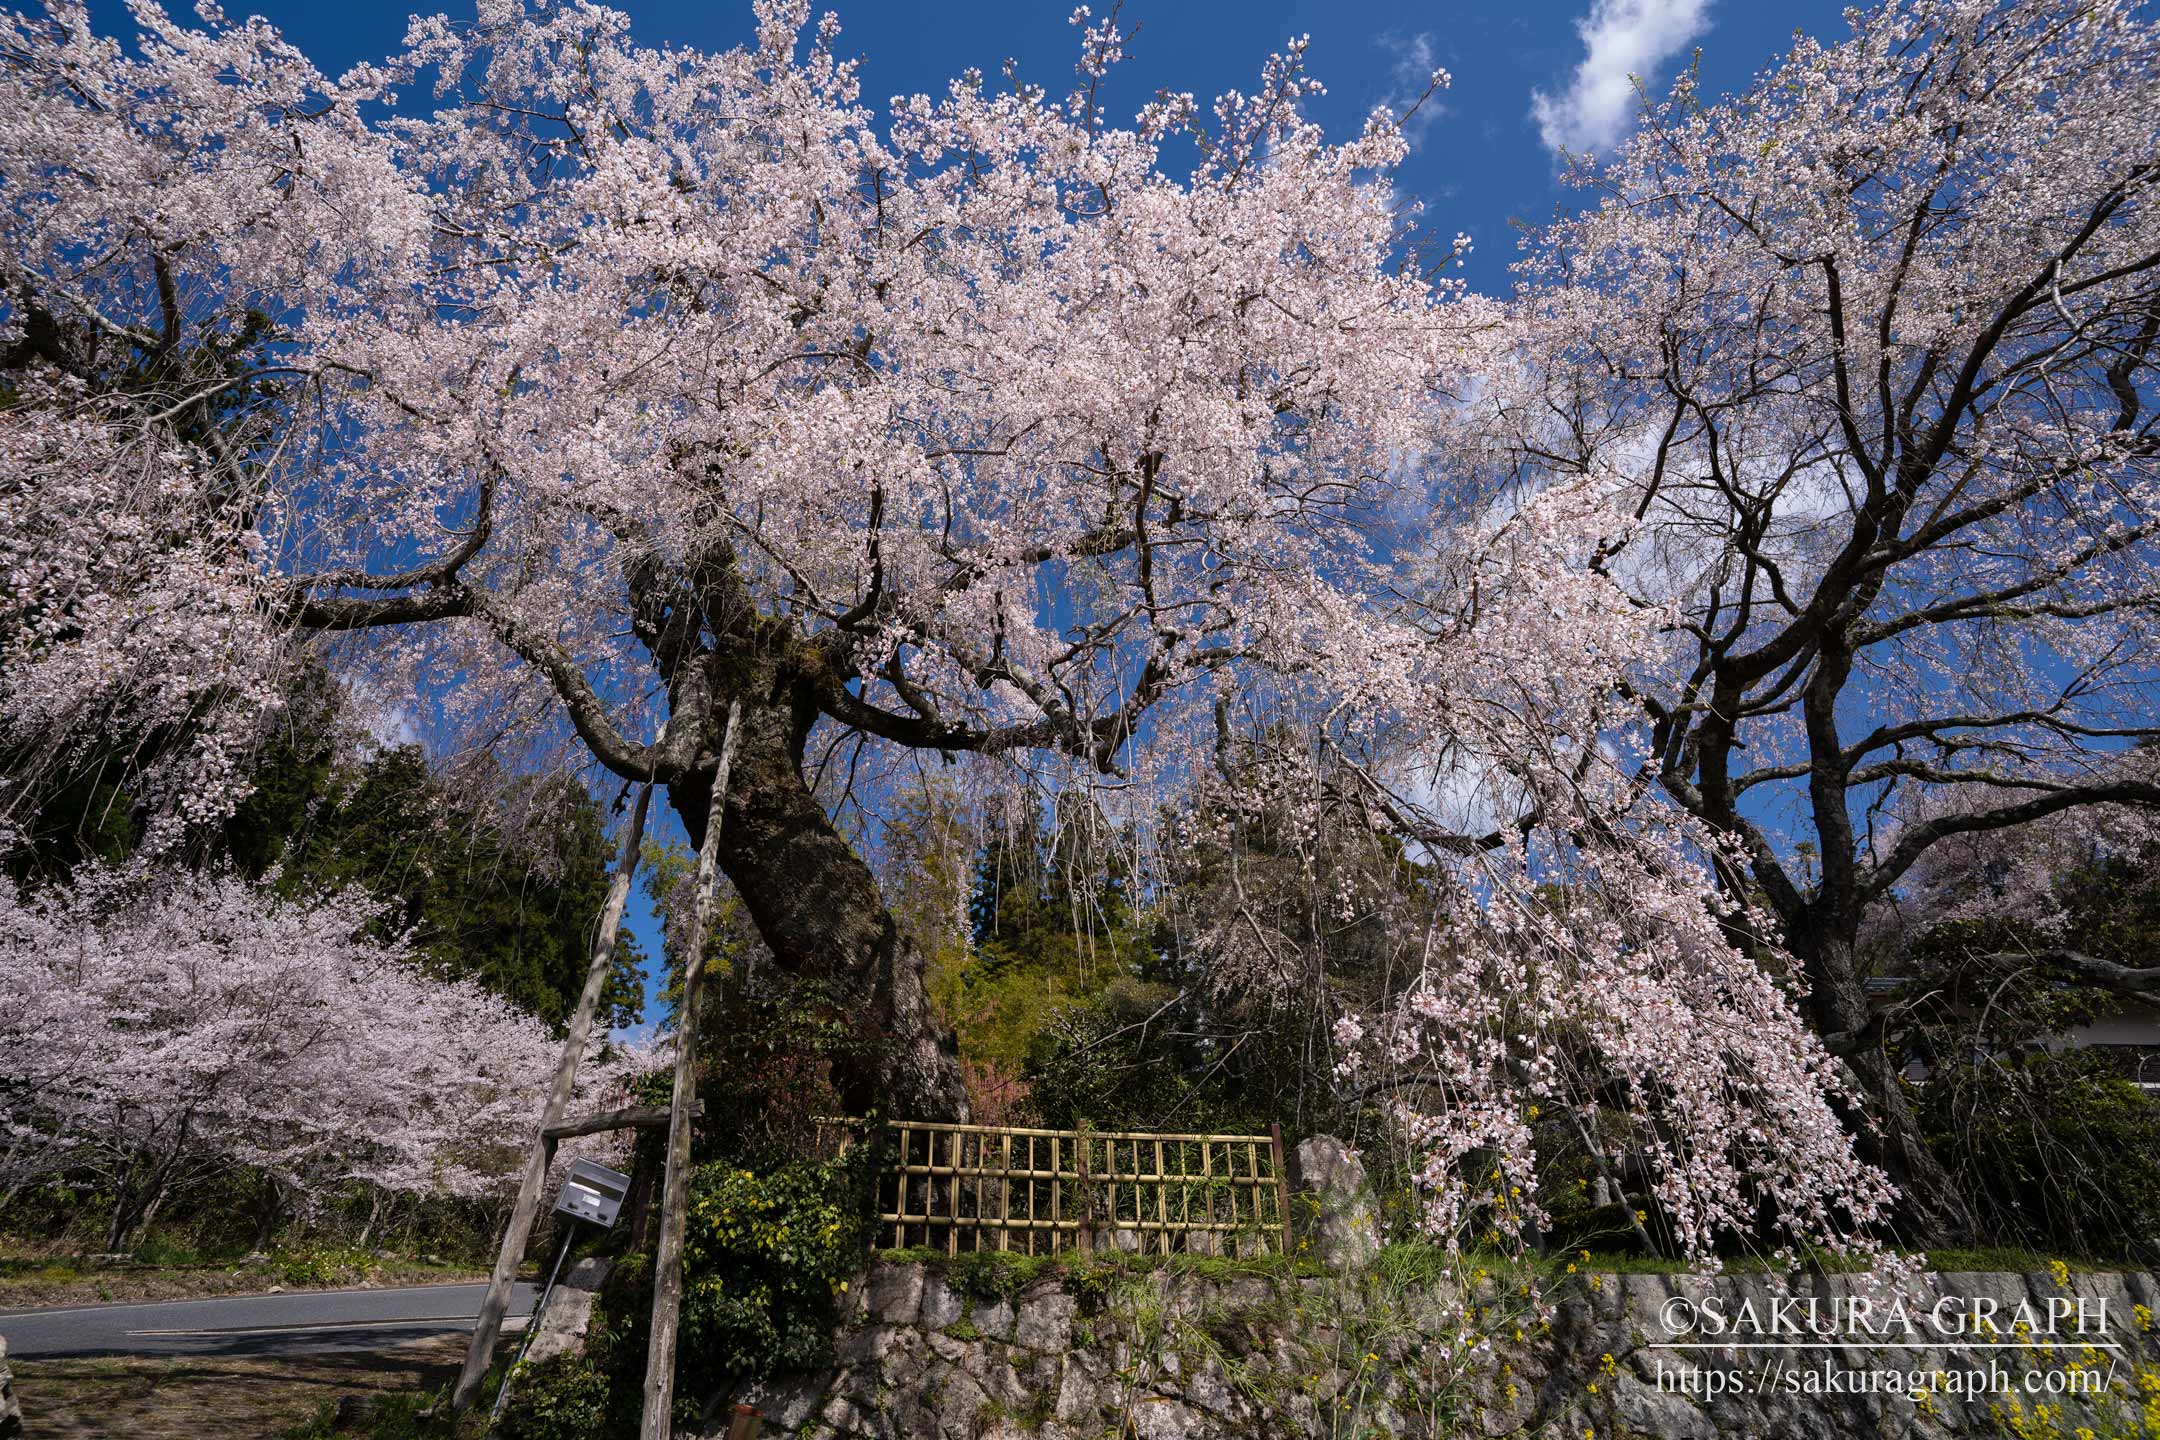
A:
(390, 1417)
(2003, 1257)
(166, 1270)
(1002, 1275)
(993, 1275)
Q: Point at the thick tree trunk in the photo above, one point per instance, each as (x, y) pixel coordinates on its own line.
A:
(131, 1200)
(1930, 1210)
(817, 907)
(374, 1214)
(518, 1223)
(269, 1209)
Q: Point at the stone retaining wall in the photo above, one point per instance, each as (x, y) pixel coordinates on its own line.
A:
(1206, 1352)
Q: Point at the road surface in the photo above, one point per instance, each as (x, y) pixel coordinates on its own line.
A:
(304, 1322)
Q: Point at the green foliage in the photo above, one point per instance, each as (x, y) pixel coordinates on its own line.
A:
(85, 817)
(1584, 1206)
(2057, 1150)
(564, 1397)
(385, 1417)
(1987, 1258)
(598, 1393)
(1134, 1058)
(163, 1248)
(766, 1259)
(924, 871)
(1077, 997)
(478, 904)
(992, 1275)
(1412, 1262)
(776, 1229)
(733, 949)
(995, 1274)
(774, 1056)
(322, 1267)
(1053, 925)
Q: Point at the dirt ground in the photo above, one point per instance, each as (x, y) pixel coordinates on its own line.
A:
(190, 1397)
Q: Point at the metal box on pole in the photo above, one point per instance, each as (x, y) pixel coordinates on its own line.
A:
(592, 1193)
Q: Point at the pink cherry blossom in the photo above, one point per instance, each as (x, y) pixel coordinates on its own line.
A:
(590, 389)
(156, 1032)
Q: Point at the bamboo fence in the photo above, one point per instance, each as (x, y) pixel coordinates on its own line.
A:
(965, 1188)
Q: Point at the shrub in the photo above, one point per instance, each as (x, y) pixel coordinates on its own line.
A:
(2055, 1149)
(564, 1397)
(322, 1267)
(1122, 1061)
(993, 1274)
(766, 1259)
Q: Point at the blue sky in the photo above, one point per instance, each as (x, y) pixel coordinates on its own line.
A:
(1525, 76)
(1480, 162)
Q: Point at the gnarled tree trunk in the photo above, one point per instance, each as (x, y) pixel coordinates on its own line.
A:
(817, 907)
(1930, 1211)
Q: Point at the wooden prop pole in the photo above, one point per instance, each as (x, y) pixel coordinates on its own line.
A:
(675, 1189)
(519, 1231)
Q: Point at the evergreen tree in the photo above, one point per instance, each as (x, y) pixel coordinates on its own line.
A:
(323, 814)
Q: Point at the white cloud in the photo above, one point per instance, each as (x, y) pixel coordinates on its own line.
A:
(1411, 76)
(1627, 40)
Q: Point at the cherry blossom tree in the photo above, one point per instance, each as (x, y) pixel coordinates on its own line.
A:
(2023, 879)
(629, 382)
(1865, 358)
(155, 1033)
(623, 389)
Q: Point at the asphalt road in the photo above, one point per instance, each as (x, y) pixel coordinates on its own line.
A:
(305, 1322)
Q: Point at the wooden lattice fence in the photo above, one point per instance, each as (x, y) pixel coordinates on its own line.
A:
(963, 1188)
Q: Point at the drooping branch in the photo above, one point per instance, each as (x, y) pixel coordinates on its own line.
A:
(1917, 839)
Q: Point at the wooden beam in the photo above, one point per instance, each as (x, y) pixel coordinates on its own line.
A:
(657, 1422)
(651, 1117)
(519, 1231)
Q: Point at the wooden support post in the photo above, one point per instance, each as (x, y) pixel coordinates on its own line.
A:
(641, 1118)
(640, 1208)
(1086, 1199)
(657, 1423)
(1282, 1186)
(488, 1328)
(1110, 1182)
(1162, 1204)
